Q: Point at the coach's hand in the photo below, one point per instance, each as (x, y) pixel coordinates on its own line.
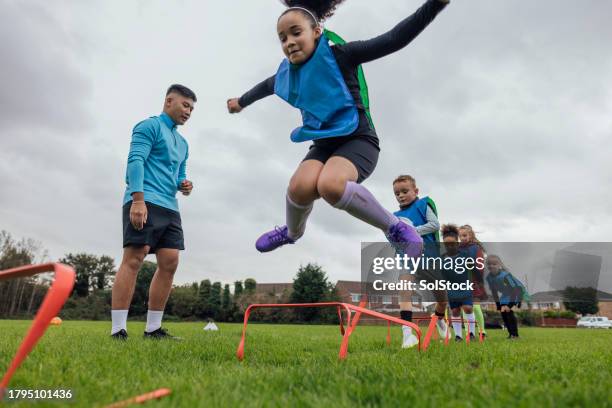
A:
(138, 214)
(186, 187)
(233, 106)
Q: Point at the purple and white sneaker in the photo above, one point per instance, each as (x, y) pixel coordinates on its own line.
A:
(273, 239)
(405, 239)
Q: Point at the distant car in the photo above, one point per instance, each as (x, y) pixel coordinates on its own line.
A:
(594, 322)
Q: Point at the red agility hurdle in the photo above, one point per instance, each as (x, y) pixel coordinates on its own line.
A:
(467, 337)
(350, 320)
(52, 303)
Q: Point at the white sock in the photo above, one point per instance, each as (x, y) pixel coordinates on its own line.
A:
(119, 320)
(296, 218)
(406, 330)
(441, 323)
(457, 327)
(471, 322)
(154, 319)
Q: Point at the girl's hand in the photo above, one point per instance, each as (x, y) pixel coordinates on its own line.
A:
(233, 106)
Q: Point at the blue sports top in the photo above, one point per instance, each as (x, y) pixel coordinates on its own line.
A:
(510, 288)
(156, 162)
(352, 54)
(417, 213)
(319, 91)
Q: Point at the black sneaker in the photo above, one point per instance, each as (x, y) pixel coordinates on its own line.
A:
(472, 337)
(120, 335)
(458, 339)
(160, 334)
(513, 337)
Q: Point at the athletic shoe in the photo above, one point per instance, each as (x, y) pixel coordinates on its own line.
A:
(472, 337)
(511, 337)
(161, 334)
(273, 239)
(409, 340)
(458, 339)
(484, 335)
(405, 239)
(442, 327)
(120, 335)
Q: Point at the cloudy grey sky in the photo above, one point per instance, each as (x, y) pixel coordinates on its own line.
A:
(500, 109)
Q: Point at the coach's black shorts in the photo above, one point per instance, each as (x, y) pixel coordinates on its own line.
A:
(361, 150)
(162, 230)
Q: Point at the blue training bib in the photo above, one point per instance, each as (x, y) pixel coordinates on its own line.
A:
(318, 89)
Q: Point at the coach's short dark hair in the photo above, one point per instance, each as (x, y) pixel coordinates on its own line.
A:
(182, 90)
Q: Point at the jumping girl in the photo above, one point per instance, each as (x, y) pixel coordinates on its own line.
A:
(326, 83)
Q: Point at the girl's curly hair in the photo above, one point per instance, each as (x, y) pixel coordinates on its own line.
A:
(450, 230)
(322, 9)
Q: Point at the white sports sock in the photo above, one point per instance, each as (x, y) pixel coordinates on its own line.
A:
(471, 318)
(441, 323)
(119, 320)
(154, 319)
(406, 330)
(457, 326)
(296, 218)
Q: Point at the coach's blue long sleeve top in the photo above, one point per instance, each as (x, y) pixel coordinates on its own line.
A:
(157, 162)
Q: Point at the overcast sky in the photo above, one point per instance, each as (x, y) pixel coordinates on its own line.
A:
(502, 110)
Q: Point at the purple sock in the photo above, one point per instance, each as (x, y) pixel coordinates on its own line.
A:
(360, 203)
(296, 218)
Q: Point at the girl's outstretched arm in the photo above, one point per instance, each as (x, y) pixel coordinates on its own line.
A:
(259, 91)
(400, 36)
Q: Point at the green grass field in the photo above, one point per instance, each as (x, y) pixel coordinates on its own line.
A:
(298, 366)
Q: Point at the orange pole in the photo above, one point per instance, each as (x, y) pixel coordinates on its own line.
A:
(52, 303)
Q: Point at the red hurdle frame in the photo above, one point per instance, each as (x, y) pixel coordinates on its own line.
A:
(52, 303)
(351, 323)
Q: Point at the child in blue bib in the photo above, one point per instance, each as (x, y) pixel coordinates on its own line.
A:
(326, 83)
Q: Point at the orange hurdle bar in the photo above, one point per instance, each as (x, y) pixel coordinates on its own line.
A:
(346, 333)
(467, 337)
(52, 303)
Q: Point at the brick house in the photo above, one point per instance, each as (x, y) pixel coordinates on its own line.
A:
(552, 300)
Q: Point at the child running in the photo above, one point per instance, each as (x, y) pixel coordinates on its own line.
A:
(423, 215)
(512, 291)
(326, 83)
(458, 299)
(472, 248)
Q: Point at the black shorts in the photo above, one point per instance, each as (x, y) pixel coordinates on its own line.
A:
(509, 304)
(162, 230)
(360, 150)
(457, 303)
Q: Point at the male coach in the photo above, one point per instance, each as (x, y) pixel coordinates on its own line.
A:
(151, 220)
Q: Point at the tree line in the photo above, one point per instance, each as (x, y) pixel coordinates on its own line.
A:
(91, 296)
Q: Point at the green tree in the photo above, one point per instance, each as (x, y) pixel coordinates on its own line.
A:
(204, 299)
(139, 304)
(85, 266)
(17, 295)
(215, 300)
(238, 289)
(581, 300)
(183, 301)
(104, 274)
(310, 286)
(250, 285)
(92, 272)
(226, 303)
